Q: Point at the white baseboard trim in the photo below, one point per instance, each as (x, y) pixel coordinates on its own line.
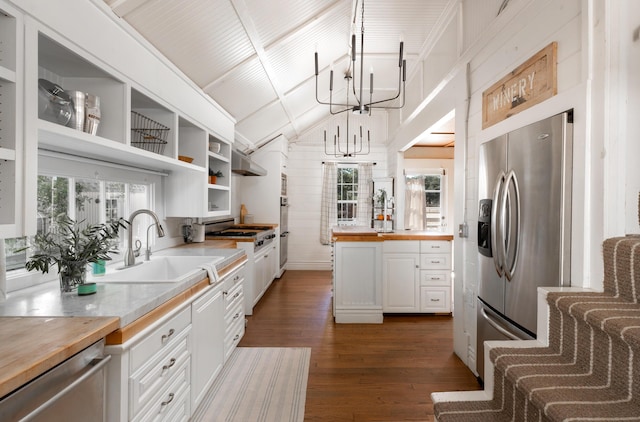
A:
(309, 266)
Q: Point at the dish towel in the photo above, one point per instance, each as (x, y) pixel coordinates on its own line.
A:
(210, 268)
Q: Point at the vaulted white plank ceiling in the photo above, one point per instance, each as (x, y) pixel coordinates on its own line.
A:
(256, 57)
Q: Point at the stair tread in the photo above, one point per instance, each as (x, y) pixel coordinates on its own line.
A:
(591, 368)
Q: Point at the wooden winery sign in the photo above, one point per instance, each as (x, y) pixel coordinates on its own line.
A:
(529, 84)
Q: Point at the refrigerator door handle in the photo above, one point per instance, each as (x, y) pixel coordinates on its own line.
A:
(497, 325)
(496, 225)
(512, 244)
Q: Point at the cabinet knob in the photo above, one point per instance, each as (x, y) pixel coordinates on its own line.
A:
(417, 266)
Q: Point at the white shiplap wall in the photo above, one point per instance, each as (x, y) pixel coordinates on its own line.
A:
(304, 191)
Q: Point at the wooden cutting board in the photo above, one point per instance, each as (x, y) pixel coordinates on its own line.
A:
(30, 346)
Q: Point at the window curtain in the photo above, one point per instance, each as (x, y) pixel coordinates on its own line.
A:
(415, 203)
(329, 202)
(365, 174)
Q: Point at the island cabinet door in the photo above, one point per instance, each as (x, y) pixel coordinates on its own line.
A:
(358, 282)
(400, 279)
(401, 276)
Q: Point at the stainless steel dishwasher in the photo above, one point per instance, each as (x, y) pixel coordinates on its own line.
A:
(72, 391)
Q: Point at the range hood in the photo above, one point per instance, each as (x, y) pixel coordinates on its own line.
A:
(242, 164)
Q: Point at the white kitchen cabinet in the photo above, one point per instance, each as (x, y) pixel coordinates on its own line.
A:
(153, 365)
(208, 328)
(265, 271)
(234, 298)
(358, 282)
(417, 276)
(401, 276)
(58, 49)
(435, 276)
(164, 372)
(11, 122)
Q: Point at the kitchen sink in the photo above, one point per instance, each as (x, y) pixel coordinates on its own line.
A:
(161, 269)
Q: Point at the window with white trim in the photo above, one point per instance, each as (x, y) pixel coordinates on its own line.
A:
(88, 193)
(347, 194)
(433, 192)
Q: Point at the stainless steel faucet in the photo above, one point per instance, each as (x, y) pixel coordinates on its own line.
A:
(129, 256)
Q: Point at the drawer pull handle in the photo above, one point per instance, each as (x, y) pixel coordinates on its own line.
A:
(435, 261)
(435, 300)
(166, 402)
(435, 278)
(236, 315)
(236, 278)
(236, 337)
(225, 293)
(166, 337)
(171, 363)
(236, 295)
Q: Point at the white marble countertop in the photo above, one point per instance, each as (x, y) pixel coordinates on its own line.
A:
(127, 301)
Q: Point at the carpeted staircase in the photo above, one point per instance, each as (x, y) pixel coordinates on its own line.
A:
(590, 370)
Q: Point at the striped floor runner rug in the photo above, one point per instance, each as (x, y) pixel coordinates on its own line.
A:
(259, 384)
(591, 369)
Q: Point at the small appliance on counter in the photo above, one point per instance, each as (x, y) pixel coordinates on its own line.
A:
(192, 232)
(198, 232)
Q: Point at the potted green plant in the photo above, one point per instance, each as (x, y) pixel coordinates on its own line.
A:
(72, 246)
(213, 176)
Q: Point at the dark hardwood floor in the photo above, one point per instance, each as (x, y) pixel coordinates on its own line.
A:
(359, 372)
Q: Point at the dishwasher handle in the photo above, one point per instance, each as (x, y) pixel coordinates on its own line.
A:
(97, 365)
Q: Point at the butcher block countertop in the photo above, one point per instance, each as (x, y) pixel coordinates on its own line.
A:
(41, 327)
(31, 346)
(366, 234)
(416, 235)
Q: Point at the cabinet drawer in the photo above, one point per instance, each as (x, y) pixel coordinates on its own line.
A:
(163, 404)
(160, 338)
(435, 299)
(180, 410)
(435, 246)
(435, 261)
(233, 297)
(401, 246)
(435, 278)
(152, 377)
(233, 337)
(234, 278)
(234, 315)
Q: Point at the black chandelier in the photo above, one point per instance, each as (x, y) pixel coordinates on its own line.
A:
(338, 149)
(362, 107)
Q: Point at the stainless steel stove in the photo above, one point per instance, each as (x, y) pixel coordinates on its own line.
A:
(260, 235)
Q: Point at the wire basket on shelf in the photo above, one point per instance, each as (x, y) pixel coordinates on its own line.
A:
(148, 134)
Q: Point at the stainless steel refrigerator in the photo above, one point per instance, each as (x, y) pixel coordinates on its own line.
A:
(524, 226)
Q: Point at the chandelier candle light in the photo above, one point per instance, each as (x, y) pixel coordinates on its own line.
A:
(361, 107)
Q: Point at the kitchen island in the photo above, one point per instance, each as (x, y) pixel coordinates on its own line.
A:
(376, 273)
(48, 326)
